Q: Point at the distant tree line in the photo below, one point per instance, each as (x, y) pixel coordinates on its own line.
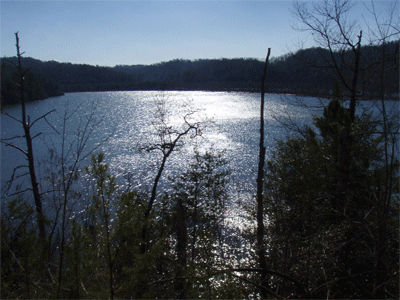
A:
(327, 204)
(38, 86)
(291, 73)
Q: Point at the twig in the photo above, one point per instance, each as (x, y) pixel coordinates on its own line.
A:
(43, 116)
(16, 147)
(8, 115)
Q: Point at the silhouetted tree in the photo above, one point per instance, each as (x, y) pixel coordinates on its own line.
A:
(27, 125)
(260, 185)
(326, 239)
(170, 139)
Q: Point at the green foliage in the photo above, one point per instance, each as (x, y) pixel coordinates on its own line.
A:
(22, 257)
(137, 270)
(329, 222)
(103, 256)
(332, 201)
(202, 191)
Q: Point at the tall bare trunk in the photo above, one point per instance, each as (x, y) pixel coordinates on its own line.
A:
(355, 78)
(26, 125)
(260, 180)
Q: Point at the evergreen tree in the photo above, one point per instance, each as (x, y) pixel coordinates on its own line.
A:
(325, 235)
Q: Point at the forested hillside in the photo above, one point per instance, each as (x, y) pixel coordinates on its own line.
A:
(38, 85)
(324, 223)
(291, 73)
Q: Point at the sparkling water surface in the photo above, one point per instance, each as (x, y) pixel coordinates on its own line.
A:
(122, 123)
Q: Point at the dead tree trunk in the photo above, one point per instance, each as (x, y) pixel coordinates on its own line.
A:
(29, 153)
(260, 181)
(356, 51)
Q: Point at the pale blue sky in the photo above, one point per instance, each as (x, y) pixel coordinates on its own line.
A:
(107, 33)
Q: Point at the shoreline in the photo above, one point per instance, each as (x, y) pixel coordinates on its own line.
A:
(238, 90)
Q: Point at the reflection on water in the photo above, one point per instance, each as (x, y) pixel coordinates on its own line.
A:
(127, 121)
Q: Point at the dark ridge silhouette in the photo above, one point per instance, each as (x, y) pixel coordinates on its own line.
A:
(293, 73)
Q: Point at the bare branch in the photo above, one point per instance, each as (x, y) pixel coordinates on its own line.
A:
(8, 115)
(14, 137)
(19, 192)
(16, 147)
(51, 126)
(36, 135)
(41, 117)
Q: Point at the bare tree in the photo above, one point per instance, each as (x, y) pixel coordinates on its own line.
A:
(27, 126)
(169, 138)
(331, 29)
(73, 154)
(329, 23)
(371, 70)
(260, 182)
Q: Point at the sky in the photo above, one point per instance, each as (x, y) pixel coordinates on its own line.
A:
(109, 33)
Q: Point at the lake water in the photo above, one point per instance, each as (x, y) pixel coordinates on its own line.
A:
(124, 122)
